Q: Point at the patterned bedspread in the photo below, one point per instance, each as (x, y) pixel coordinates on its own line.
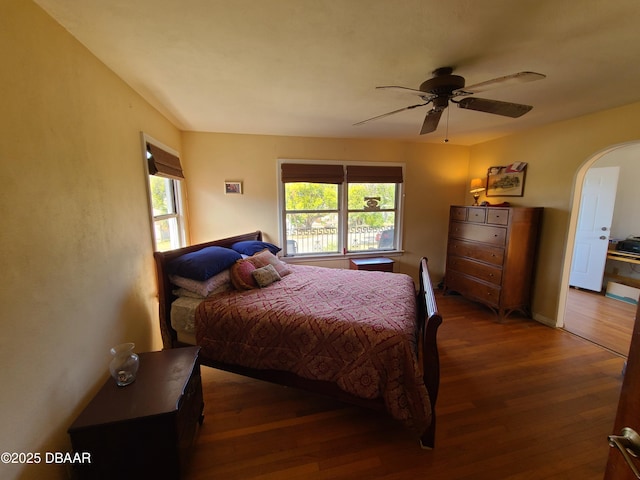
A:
(354, 328)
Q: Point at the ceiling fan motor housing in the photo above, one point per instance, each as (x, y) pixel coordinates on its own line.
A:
(442, 85)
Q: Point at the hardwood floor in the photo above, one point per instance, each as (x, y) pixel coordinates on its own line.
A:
(600, 319)
(518, 400)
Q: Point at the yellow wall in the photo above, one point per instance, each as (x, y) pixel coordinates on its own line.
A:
(555, 153)
(435, 177)
(77, 271)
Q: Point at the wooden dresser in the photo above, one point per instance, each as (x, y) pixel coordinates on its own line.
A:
(490, 255)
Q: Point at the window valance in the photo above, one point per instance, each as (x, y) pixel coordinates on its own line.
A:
(163, 163)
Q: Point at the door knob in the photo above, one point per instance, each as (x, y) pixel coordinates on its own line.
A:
(628, 442)
(602, 237)
(604, 229)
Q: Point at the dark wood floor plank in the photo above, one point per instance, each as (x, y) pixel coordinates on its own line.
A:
(518, 400)
(600, 319)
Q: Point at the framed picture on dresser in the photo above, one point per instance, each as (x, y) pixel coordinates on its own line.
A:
(506, 181)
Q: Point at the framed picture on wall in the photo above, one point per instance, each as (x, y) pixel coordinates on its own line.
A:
(233, 187)
(506, 181)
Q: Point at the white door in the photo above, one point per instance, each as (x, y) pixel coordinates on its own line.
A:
(594, 225)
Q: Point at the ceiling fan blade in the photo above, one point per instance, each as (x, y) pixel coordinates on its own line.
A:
(390, 113)
(426, 96)
(507, 109)
(431, 121)
(513, 79)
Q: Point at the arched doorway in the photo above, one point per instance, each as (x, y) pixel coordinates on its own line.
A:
(627, 152)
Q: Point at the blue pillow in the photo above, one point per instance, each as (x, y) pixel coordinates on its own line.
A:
(251, 247)
(203, 264)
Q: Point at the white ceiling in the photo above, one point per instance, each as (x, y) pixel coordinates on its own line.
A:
(310, 67)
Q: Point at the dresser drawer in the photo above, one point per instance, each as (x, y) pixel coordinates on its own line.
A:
(459, 213)
(482, 271)
(189, 413)
(488, 294)
(479, 233)
(484, 253)
(498, 216)
(477, 215)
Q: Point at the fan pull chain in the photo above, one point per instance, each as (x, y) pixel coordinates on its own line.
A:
(446, 135)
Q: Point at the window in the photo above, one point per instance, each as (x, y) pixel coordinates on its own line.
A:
(334, 208)
(165, 196)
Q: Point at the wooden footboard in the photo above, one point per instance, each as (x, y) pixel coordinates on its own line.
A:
(428, 322)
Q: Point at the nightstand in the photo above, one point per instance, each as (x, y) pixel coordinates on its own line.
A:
(146, 429)
(378, 264)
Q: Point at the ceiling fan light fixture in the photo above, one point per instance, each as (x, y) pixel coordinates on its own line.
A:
(440, 103)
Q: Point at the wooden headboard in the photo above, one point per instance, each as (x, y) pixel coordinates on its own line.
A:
(165, 293)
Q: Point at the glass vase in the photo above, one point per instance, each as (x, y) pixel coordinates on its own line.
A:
(124, 365)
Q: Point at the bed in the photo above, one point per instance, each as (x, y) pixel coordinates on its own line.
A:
(367, 338)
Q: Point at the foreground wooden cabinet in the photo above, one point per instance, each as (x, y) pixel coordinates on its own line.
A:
(490, 255)
(146, 429)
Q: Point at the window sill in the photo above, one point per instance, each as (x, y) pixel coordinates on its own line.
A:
(340, 256)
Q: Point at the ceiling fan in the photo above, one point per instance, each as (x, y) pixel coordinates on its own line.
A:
(445, 87)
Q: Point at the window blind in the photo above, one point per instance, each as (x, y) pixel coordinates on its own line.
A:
(374, 174)
(163, 163)
(312, 173)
